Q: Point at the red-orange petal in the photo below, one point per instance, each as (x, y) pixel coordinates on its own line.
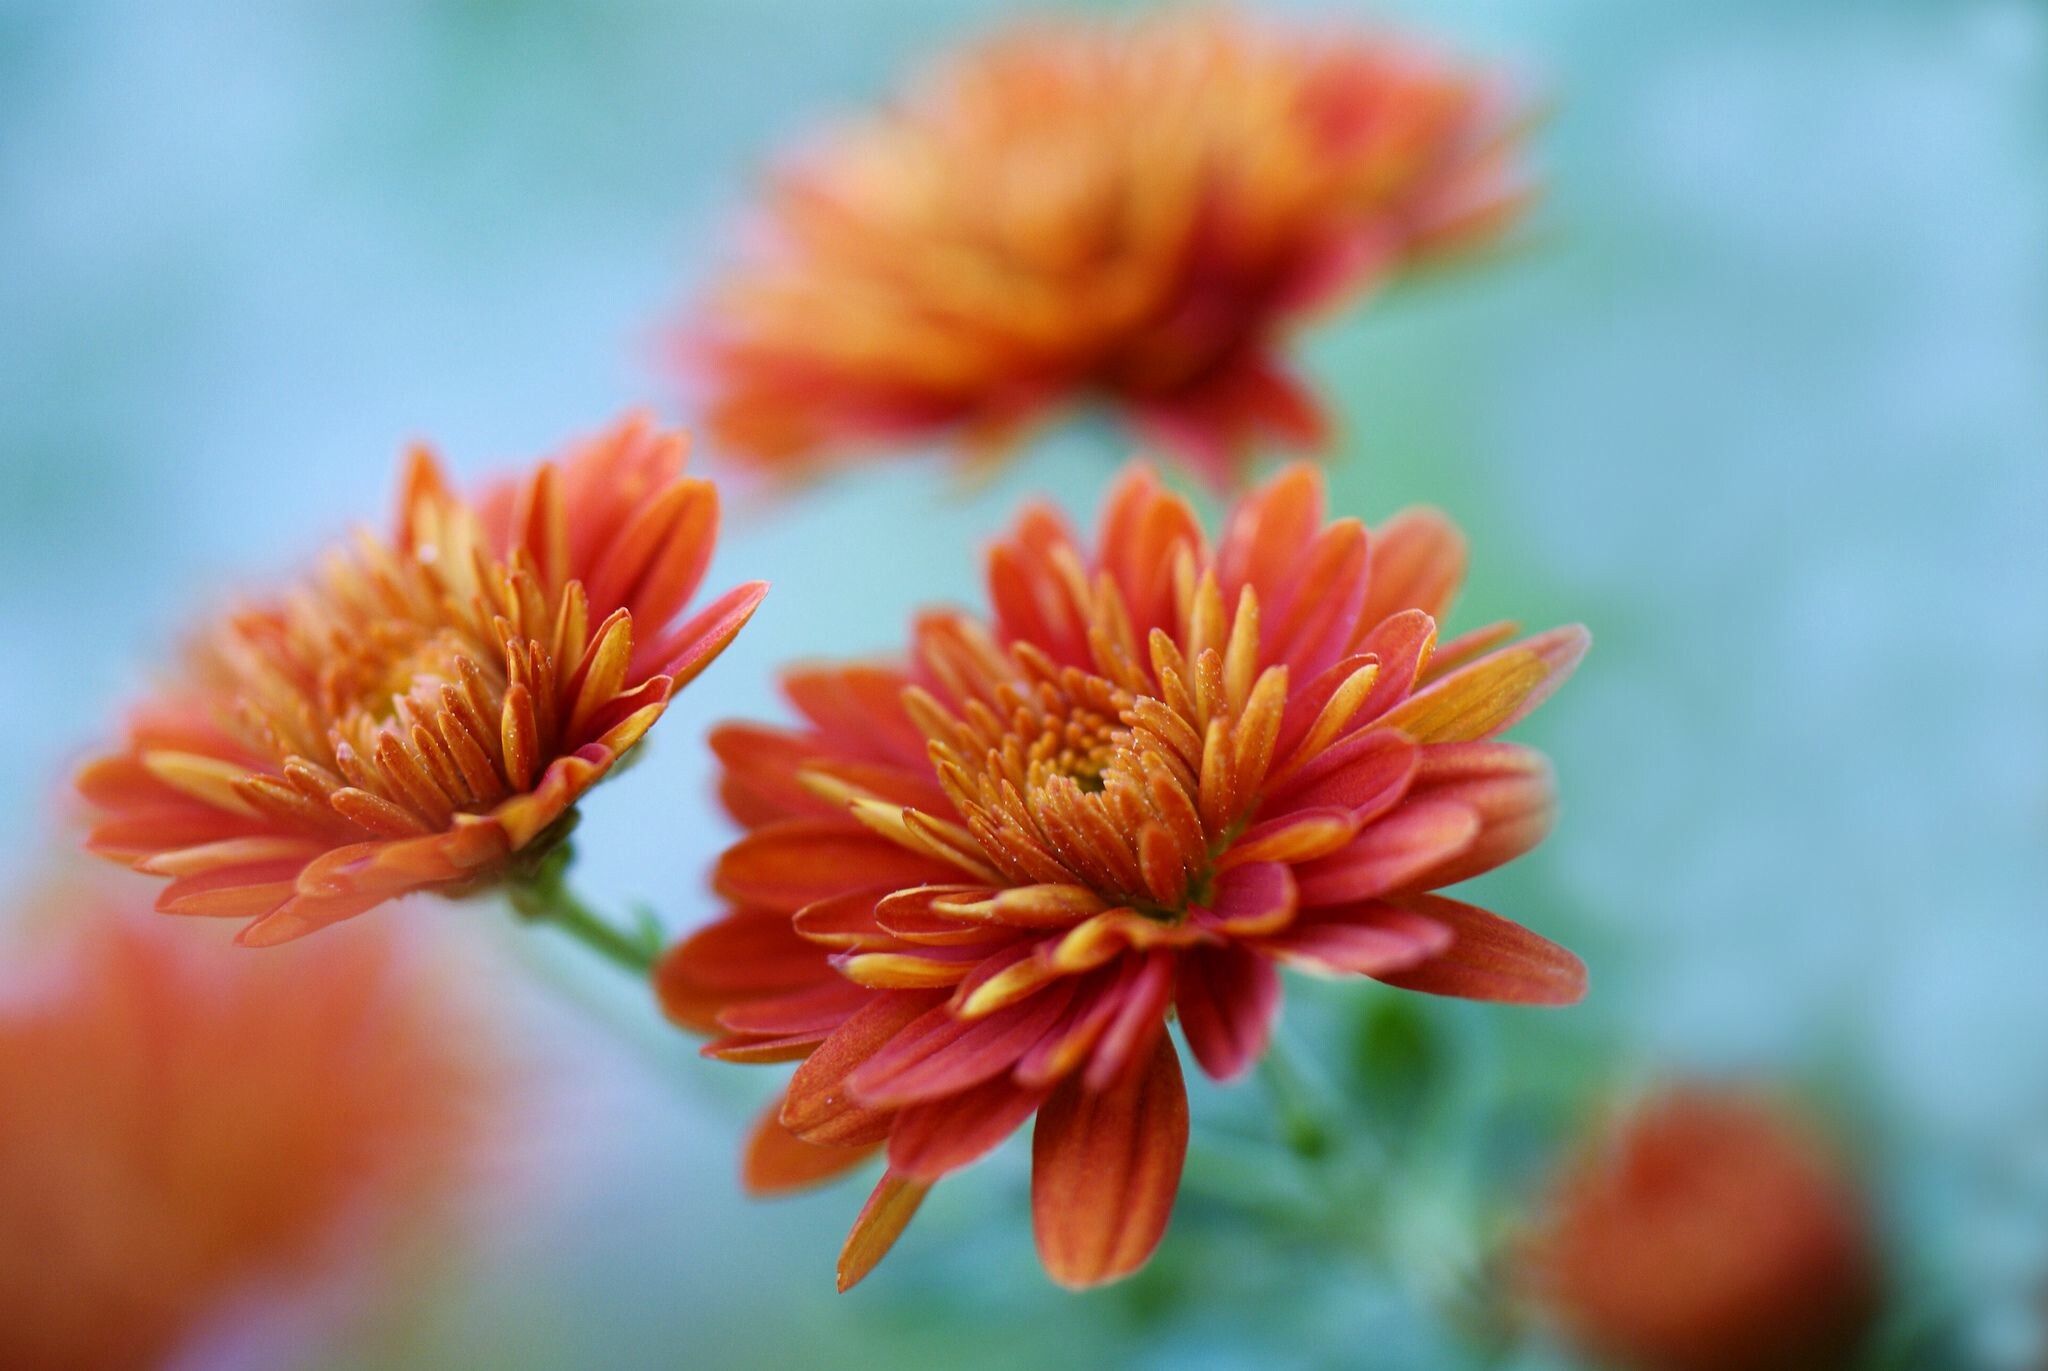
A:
(1367, 773)
(1227, 998)
(684, 653)
(1491, 958)
(777, 1161)
(929, 1140)
(1375, 938)
(1507, 785)
(1494, 693)
(882, 1220)
(941, 1054)
(1105, 1167)
(1418, 837)
(788, 865)
(820, 1106)
(746, 955)
(1418, 560)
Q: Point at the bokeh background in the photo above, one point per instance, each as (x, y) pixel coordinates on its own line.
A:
(1758, 393)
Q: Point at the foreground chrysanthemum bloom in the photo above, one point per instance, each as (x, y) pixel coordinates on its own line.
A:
(975, 889)
(1133, 214)
(191, 1140)
(1709, 1231)
(425, 707)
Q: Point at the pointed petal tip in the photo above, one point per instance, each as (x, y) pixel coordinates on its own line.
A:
(882, 1220)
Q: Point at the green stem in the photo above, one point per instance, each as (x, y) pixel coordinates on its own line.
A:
(547, 899)
(1304, 1123)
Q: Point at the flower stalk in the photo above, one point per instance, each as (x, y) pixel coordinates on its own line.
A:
(545, 898)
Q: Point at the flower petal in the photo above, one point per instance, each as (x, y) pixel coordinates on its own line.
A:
(759, 774)
(938, 1136)
(684, 653)
(942, 1054)
(820, 1107)
(1250, 900)
(1418, 559)
(1227, 998)
(748, 954)
(1494, 693)
(785, 866)
(882, 1220)
(1105, 1167)
(777, 1161)
(1371, 939)
(1267, 530)
(1507, 785)
(1297, 836)
(1139, 1021)
(1391, 853)
(859, 709)
(1491, 958)
(1367, 773)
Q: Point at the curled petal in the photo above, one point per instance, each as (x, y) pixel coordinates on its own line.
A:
(1252, 899)
(858, 711)
(685, 653)
(1026, 906)
(1139, 1020)
(1267, 531)
(1299, 836)
(1367, 773)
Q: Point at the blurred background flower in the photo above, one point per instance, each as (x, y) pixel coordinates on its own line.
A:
(1760, 400)
(1710, 1230)
(1133, 214)
(208, 1156)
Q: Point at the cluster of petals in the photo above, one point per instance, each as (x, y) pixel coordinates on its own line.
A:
(426, 706)
(1082, 211)
(975, 888)
(189, 1139)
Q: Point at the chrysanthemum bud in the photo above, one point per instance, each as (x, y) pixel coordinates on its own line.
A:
(1709, 1231)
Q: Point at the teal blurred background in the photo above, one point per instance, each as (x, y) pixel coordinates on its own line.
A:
(1759, 394)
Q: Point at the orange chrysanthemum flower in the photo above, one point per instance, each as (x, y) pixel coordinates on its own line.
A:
(187, 1137)
(1709, 1230)
(974, 890)
(1138, 215)
(425, 707)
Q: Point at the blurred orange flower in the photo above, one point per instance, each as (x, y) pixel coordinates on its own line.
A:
(1709, 1231)
(975, 889)
(183, 1132)
(428, 706)
(1136, 214)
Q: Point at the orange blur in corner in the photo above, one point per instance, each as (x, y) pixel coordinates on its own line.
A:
(184, 1130)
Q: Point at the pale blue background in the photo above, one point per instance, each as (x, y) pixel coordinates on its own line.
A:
(1760, 395)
